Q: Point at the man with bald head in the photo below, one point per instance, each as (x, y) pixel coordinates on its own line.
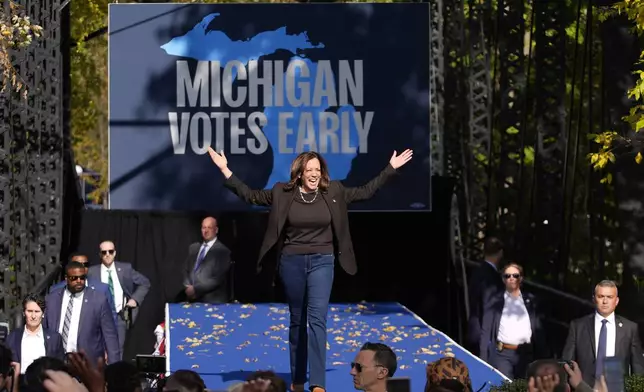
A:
(125, 284)
(206, 268)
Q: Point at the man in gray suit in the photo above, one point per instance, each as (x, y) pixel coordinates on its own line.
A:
(206, 268)
(126, 285)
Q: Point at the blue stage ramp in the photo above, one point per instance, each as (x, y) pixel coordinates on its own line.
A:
(226, 343)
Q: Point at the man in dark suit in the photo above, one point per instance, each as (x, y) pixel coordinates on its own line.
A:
(33, 337)
(485, 283)
(511, 331)
(593, 338)
(83, 317)
(96, 284)
(206, 268)
(127, 286)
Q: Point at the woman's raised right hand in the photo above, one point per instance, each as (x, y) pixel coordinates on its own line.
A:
(219, 159)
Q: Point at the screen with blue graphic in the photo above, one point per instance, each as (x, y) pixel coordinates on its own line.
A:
(263, 83)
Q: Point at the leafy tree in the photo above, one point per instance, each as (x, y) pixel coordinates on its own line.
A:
(16, 32)
(611, 142)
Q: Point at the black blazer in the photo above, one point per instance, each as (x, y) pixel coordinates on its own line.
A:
(580, 346)
(337, 196)
(492, 320)
(53, 344)
(485, 284)
(211, 278)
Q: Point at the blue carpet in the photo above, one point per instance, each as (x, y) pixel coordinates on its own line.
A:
(226, 343)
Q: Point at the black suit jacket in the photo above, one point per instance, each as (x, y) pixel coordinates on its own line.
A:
(492, 320)
(337, 197)
(580, 346)
(211, 278)
(485, 283)
(53, 344)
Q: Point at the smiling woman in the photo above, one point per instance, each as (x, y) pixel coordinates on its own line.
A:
(309, 227)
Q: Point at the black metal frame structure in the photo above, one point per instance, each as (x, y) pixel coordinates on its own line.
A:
(32, 150)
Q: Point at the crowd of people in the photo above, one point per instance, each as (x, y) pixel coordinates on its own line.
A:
(61, 347)
(506, 328)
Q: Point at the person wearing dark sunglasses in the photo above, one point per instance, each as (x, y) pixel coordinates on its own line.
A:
(74, 305)
(94, 283)
(511, 331)
(125, 284)
(374, 364)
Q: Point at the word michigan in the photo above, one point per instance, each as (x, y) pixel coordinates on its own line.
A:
(294, 106)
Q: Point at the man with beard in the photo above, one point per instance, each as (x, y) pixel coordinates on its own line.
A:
(83, 317)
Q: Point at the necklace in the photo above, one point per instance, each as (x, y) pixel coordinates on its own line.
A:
(308, 201)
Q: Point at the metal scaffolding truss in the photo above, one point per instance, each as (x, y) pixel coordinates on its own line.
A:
(31, 175)
(480, 123)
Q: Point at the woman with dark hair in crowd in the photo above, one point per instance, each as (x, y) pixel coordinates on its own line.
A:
(33, 341)
(309, 226)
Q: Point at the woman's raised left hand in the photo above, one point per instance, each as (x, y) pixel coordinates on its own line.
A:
(397, 161)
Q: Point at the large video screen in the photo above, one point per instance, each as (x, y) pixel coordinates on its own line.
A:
(264, 82)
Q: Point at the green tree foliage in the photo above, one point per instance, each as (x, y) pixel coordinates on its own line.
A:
(609, 141)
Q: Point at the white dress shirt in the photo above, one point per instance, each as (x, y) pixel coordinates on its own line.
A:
(72, 336)
(610, 333)
(515, 327)
(209, 245)
(32, 347)
(118, 289)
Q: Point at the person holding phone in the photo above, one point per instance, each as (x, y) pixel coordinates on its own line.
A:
(309, 226)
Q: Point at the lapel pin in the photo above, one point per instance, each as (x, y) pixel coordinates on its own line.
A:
(620, 325)
(334, 200)
(118, 269)
(47, 336)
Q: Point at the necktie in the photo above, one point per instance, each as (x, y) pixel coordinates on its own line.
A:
(601, 350)
(68, 320)
(200, 257)
(110, 282)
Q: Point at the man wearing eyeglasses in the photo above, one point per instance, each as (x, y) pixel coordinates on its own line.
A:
(374, 364)
(127, 286)
(83, 317)
(95, 284)
(511, 332)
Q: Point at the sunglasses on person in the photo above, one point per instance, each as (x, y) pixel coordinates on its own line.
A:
(508, 276)
(75, 278)
(359, 367)
(110, 251)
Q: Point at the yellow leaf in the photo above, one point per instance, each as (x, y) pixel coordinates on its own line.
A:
(638, 158)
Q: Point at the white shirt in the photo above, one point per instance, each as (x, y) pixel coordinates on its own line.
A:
(72, 336)
(610, 333)
(118, 290)
(209, 245)
(32, 347)
(515, 327)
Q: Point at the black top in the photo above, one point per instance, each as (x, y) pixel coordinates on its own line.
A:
(308, 226)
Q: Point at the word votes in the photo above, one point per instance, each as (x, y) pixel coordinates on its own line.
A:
(322, 132)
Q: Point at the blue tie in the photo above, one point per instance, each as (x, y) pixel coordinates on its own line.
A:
(200, 258)
(601, 351)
